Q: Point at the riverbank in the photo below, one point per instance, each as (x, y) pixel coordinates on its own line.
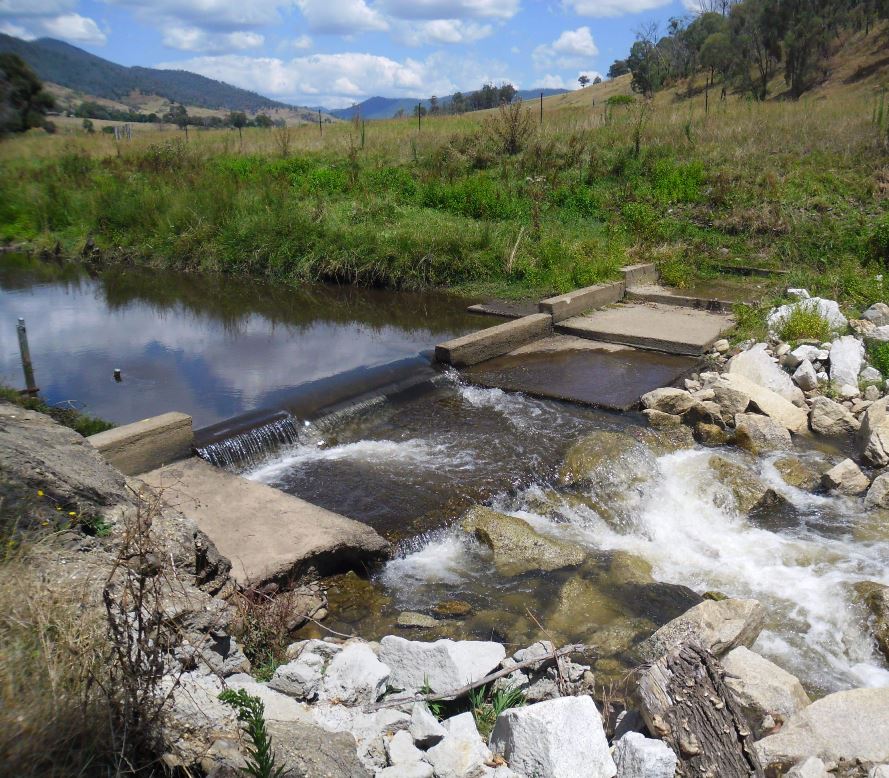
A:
(449, 208)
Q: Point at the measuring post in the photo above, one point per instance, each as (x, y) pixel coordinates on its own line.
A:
(27, 367)
(320, 126)
(419, 116)
(541, 107)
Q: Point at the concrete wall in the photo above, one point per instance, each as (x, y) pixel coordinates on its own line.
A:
(494, 341)
(564, 306)
(640, 275)
(145, 445)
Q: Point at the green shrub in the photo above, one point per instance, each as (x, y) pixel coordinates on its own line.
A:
(878, 243)
(878, 355)
(251, 713)
(804, 321)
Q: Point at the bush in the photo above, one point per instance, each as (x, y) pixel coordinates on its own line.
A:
(878, 355)
(879, 241)
(804, 321)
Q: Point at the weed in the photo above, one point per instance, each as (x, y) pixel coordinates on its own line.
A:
(878, 355)
(486, 705)
(65, 413)
(804, 321)
(263, 623)
(251, 713)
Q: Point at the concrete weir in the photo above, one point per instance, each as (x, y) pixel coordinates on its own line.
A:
(597, 348)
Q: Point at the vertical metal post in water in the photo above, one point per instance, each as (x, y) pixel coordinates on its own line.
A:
(27, 367)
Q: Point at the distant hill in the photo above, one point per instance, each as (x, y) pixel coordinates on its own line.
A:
(387, 107)
(76, 69)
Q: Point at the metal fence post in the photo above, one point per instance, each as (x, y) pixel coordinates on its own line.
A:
(27, 367)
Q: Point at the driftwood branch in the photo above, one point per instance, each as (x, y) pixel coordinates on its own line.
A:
(685, 702)
(554, 655)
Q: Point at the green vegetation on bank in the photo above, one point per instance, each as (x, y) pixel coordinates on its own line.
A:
(492, 203)
(80, 422)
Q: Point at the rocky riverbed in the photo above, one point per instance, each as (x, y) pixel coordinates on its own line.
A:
(613, 704)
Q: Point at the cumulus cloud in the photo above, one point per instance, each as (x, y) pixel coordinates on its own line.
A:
(8, 28)
(187, 38)
(573, 48)
(551, 81)
(592, 75)
(335, 79)
(345, 17)
(601, 8)
(450, 9)
(76, 28)
(300, 42)
(450, 31)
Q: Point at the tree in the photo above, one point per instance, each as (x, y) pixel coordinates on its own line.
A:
(87, 125)
(647, 67)
(583, 80)
(399, 114)
(597, 80)
(238, 119)
(618, 68)
(420, 110)
(179, 116)
(511, 127)
(458, 103)
(756, 38)
(263, 120)
(434, 107)
(23, 100)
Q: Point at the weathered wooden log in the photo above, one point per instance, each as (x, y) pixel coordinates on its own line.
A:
(685, 702)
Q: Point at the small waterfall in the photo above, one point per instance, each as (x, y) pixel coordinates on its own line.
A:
(250, 448)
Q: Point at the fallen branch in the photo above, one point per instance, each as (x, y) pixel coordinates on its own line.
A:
(554, 655)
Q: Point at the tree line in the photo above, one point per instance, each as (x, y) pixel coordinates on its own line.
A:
(489, 96)
(744, 44)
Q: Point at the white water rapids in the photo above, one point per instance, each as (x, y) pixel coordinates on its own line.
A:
(682, 523)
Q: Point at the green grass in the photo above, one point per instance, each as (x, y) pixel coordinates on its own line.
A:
(776, 184)
(80, 422)
(878, 356)
(802, 322)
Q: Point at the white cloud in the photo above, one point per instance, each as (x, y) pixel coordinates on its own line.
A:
(35, 8)
(600, 8)
(7, 28)
(345, 17)
(592, 75)
(334, 79)
(550, 81)
(187, 38)
(450, 9)
(301, 42)
(76, 28)
(442, 31)
(208, 14)
(573, 48)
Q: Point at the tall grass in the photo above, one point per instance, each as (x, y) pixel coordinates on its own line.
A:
(782, 184)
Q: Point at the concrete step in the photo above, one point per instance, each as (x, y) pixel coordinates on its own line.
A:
(563, 367)
(654, 293)
(651, 326)
(268, 535)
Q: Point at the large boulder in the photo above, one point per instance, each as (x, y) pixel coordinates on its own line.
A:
(562, 737)
(844, 726)
(827, 417)
(770, 403)
(878, 494)
(763, 689)
(805, 376)
(442, 665)
(757, 366)
(875, 597)
(873, 437)
(731, 400)
(798, 473)
(877, 314)
(829, 310)
(637, 756)
(718, 626)
(846, 360)
(425, 729)
(354, 677)
(301, 677)
(461, 753)
(607, 457)
(845, 478)
(760, 434)
(670, 400)
(518, 548)
(747, 489)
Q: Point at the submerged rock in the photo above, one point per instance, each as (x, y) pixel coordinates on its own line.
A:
(607, 457)
(581, 607)
(844, 726)
(763, 689)
(518, 548)
(717, 626)
(748, 490)
(798, 473)
(562, 737)
(876, 597)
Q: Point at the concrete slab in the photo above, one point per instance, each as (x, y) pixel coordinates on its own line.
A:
(643, 273)
(654, 293)
(667, 328)
(563, 367)
(146, 444)
(493, 341)
(507, 309)
(268, 535)
(564, 306)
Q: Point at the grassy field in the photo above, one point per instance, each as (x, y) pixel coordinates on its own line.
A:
(802, 186)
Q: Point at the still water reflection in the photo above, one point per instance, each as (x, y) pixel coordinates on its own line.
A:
(210, 346)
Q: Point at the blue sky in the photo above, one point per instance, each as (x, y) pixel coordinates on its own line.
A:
(337, 52)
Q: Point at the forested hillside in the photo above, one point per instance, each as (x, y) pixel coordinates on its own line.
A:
(69, 66)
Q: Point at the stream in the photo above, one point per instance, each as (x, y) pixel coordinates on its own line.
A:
(656, 525)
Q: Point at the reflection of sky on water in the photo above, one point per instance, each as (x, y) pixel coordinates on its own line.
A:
(174, 358)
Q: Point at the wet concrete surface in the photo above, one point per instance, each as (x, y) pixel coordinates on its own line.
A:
(596, 374)
(507, 309)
